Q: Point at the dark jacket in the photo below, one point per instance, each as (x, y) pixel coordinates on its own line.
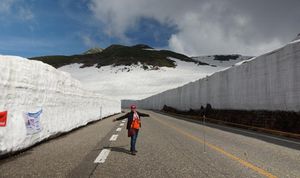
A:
(129, 116)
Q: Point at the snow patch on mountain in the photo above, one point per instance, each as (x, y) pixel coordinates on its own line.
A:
(122, 82)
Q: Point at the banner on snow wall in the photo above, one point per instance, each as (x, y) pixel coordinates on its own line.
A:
(3, 118)
(32, 122)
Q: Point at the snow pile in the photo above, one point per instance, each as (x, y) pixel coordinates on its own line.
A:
(28, 86)
(136, 83)
(267, 82)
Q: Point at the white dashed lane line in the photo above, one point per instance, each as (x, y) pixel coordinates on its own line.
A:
(113, 137)
(123, 121)
(102, 156)
(105, 152)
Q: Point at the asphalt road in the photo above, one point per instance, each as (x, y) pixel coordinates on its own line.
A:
(167, 147)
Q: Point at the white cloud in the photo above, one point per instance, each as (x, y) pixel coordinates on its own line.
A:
(119, 16)
(206, 26)
(88, 41)
(6, 5)
(200, 37)
(25, 13)
(17, 9)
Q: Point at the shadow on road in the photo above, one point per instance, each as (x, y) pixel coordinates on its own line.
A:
(282, 141)
(14, 157)
(120, 149)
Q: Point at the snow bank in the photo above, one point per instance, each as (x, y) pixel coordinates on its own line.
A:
(268, 82)
(27, 86)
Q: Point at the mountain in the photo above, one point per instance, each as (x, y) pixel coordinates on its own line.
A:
(118, 55)
(222, 60)
(138, 71)
(93, 51)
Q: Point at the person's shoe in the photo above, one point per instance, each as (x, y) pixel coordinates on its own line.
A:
(133, 153)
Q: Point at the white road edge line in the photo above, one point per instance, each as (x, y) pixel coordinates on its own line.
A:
(119, 129)
(113, 137)
(102, 156)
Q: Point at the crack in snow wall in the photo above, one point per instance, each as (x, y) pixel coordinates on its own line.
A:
(27, 86)
(268, 82)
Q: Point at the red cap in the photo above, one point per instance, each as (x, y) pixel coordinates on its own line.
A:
(132, 107)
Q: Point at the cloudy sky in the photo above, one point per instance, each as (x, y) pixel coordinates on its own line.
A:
(193, 27)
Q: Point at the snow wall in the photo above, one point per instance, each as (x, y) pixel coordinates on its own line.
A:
(28, 86)
(268, 82)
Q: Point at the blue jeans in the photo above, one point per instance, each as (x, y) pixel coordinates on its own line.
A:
(133, 140)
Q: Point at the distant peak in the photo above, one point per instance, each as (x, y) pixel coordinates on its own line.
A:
(297, 37)
(93, 51)
(137, 46)
(142, 46)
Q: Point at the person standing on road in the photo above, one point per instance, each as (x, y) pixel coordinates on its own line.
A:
(133, 126)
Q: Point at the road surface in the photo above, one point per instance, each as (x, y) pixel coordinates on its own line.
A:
(167, 147)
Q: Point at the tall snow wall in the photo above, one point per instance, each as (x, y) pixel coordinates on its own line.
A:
(28, 86)
(268, 82)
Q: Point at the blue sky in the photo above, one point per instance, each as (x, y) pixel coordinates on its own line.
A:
(193, 27)
(67, 27)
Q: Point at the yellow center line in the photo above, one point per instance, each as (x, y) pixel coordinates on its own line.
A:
(220, 150)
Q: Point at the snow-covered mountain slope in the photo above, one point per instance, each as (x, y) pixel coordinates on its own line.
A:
(28, 86)
(123, 82)
(93, 51)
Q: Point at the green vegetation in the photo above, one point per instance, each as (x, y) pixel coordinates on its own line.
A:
(226, 57)
(120, 55)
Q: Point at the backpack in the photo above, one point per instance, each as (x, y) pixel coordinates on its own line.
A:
(136, 122)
